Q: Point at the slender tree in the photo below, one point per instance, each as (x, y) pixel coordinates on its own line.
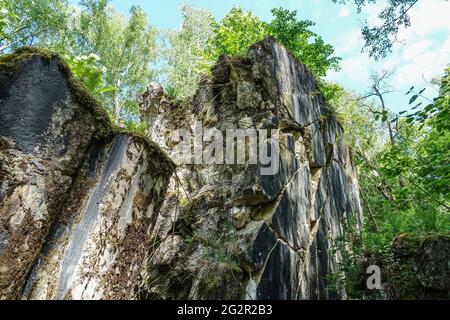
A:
(31, 22)
(125, 47)
(183, 52)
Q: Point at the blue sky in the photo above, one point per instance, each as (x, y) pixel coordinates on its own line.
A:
(422, 54)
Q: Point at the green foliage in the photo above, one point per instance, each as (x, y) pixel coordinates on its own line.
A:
(304, 44)
(191, 51)
(345, 280)
(171, 92)
(379, 39)
(183, 55)
(398, 277)
(125, 47)
(234, 34)
(414, 174)
(426, 147)
(437, 112)
(31, 22)
(221, 267)
(238, 30)
(433, 162)
(332, 92)
(404, 188)
(194, 49)
(88, 69)
(136, 126)
(361, 130)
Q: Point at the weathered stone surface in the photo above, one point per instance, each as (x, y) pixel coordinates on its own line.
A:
(279, 279)
(99, 242)
(76, 201)
(294, 82)
(89, 213)
(291, 217)
(44, 135)
(430, 257)
(259, 245)
(268, 236)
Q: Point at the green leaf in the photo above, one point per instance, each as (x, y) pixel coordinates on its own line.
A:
(413, 98)
(106, 89)
(429, 107)
(410, 90)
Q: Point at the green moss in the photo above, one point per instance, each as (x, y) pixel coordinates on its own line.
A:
(154, 149)
(10, 64)
(218, 281)
(413, 242)
(184, 202)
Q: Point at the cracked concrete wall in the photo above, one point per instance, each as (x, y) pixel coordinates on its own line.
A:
(227, 231)
(38, 159)
(77, 200)
(87, 212)
(99, 242)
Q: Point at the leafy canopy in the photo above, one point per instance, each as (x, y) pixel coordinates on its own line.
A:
(31, 22)
(183, 49)
(404, 185)
(125, 47)
(89, 70)
(380, 38)
(111, 53)
(238, 30)
(304, 44)
(235, 33)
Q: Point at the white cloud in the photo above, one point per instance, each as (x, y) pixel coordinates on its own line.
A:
(416, 49)
(349, 42)
(421, 64)
(372, 10)
(427, 17)
(344, 12)
(425, 48)
(423, 52)
(354, 69)
(317, 14)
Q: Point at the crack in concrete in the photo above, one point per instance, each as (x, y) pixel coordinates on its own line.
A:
(272, 205)
(280, 238)
(303, 265)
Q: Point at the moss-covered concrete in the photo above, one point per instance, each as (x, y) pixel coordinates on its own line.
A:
(10, 65)
(413, 242)
(268, 89)
(50, 124)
